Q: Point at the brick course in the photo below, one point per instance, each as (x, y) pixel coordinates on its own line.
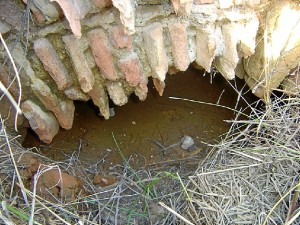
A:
(101, 53)
(120, 39)
(52, 63)
(179, 44)
(80, 64)
(131, 67)
(154, 46)
(127, 50)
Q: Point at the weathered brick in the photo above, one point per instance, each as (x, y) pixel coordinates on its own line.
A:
(132, 69)
(44, 10)
(65, 113)
(247, 43)
(80, 64)
(75, 93)
(179, 44)
(182, 7)
(44, 94)
(62, 109)
(101, 53)
(42, 123)
(73, 13)
(127, 14)
(154, 45)
(206, 46)
(227, 62)
(239, 70)
(102, 3)
(100, 99)
(51, 62)
(200, 2)
(119, 38)
(36, 12)
(116, 93)
(159, 86)
(142, 89)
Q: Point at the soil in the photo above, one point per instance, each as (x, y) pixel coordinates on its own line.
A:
(143, 129)
(48, 180)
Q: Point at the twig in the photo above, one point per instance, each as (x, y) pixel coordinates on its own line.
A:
(229, 169)
(16, 105)
(208, 103)
(175, 213)
(14, 163)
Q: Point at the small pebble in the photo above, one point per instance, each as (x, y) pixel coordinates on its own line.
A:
(187, 142)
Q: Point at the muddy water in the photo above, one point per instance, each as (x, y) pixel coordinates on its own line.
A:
(143, 129)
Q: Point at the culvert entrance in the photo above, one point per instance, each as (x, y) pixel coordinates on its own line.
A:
(149, 132)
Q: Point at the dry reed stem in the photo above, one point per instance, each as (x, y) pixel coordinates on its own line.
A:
(15, 104)
(247, 181)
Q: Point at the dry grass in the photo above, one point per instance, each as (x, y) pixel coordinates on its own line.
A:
(253, 175)
(132, 200)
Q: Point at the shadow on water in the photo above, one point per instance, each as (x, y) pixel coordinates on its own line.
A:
(143, 129)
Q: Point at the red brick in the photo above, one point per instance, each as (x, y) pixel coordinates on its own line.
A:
(119, 38)
(80, 64)
(144, 83)
(179, 44)
(72, 14)
(62, 109)
(142, 89)
(127, 14)
(131, 67)
(101, 53)
(65, 113)
(51, 62)
(154, 45)
(44, 124)
(102, 3)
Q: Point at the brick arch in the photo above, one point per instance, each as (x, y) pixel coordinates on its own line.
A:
(106, 49)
